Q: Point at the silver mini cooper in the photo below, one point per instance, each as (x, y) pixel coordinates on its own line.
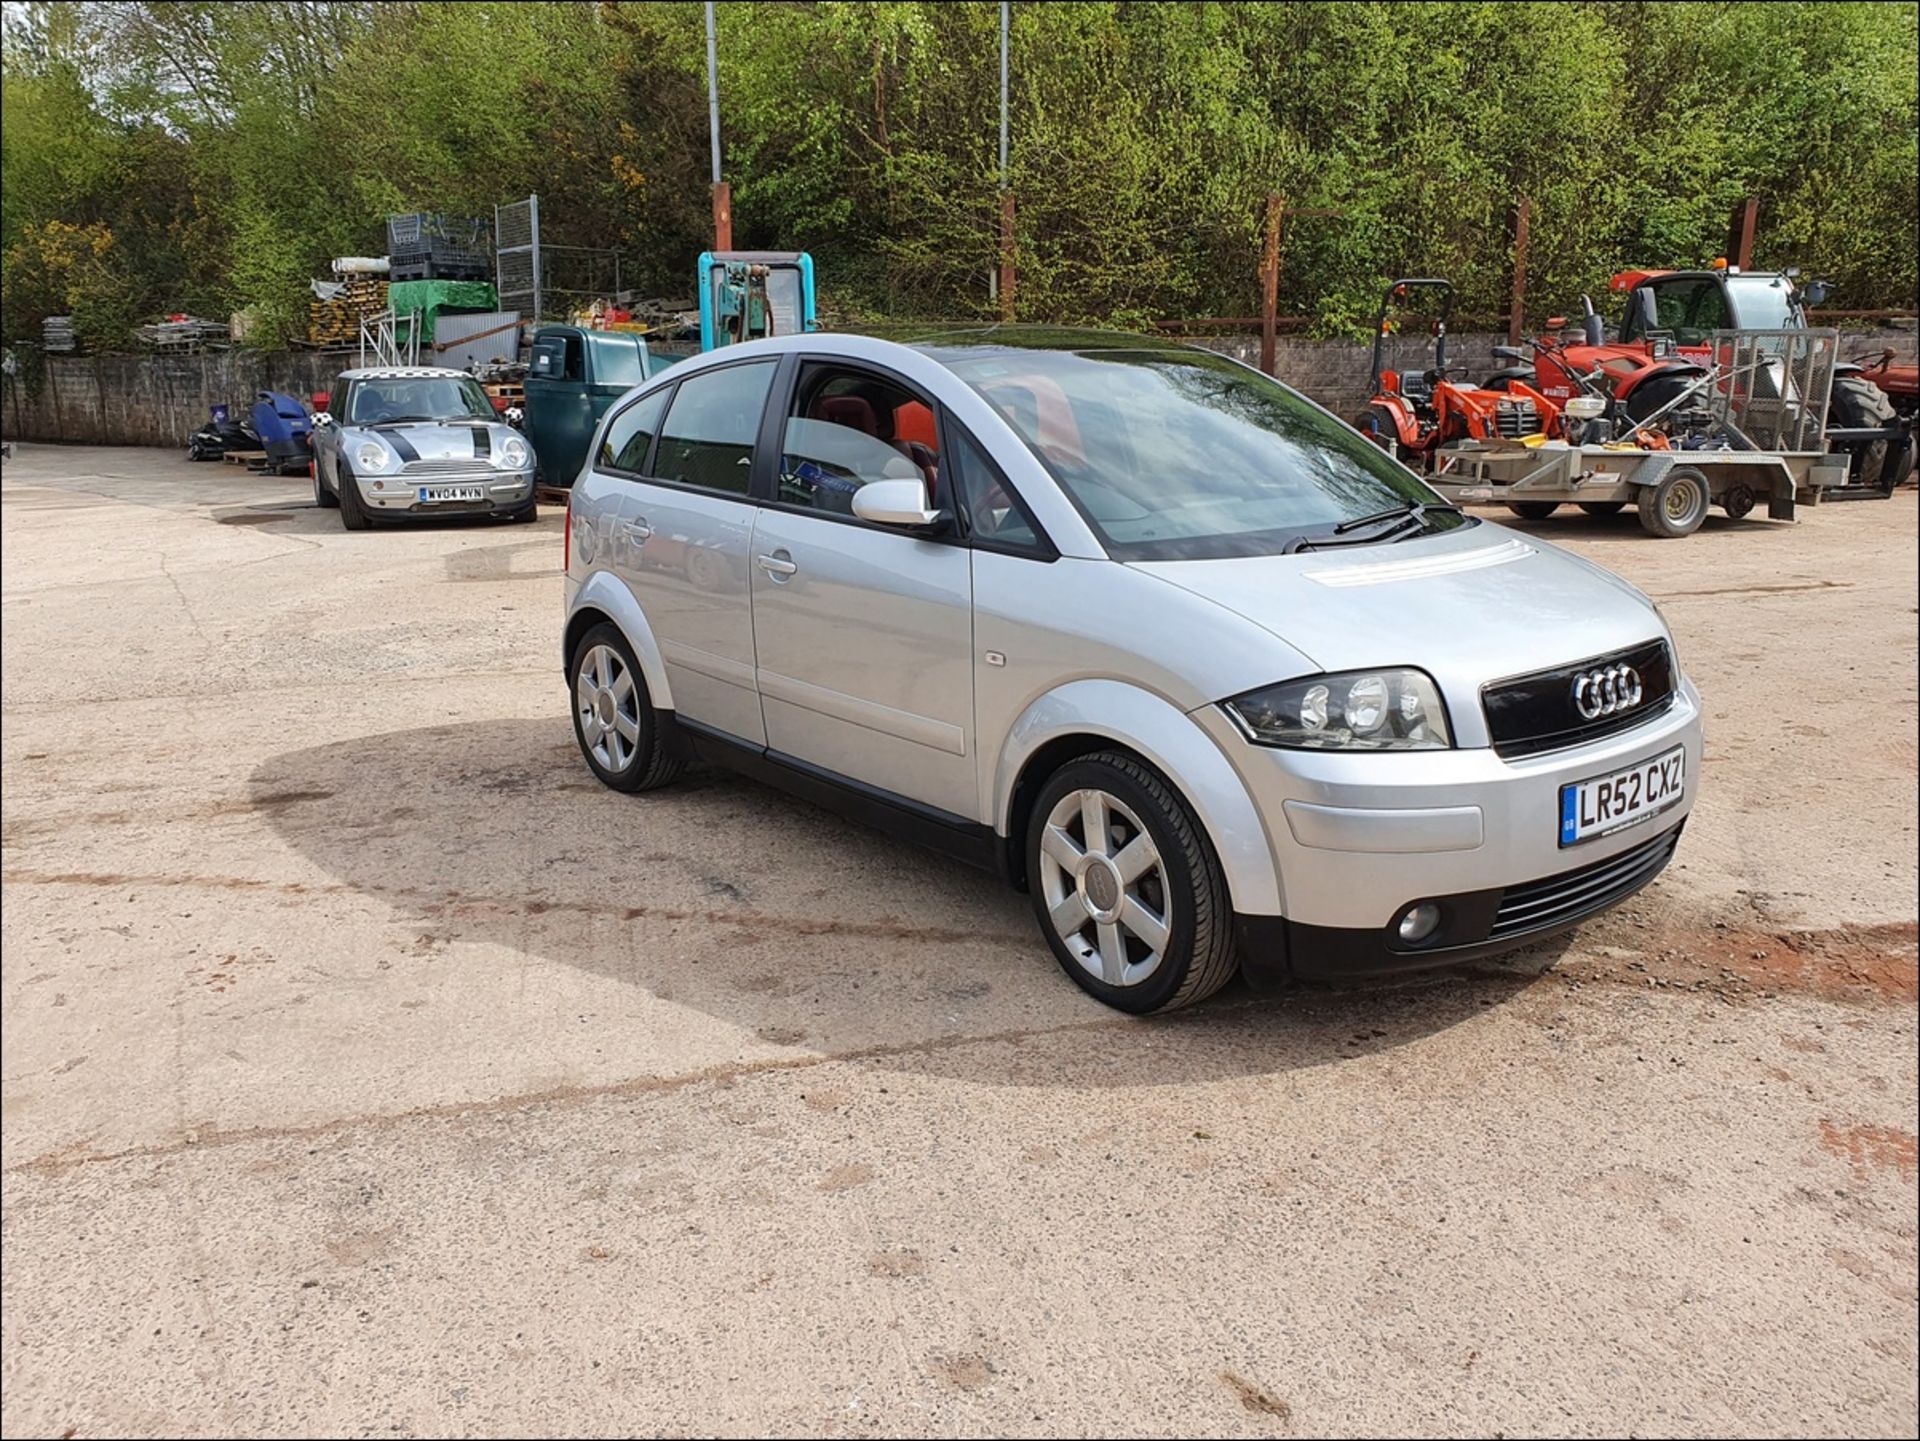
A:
(1214, 679)
(410, 441)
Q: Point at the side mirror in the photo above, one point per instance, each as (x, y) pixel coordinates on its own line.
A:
(321, 420)
(1645, 314)
(321, 400)
(1814, 292)
(514, 415)
(896, 502)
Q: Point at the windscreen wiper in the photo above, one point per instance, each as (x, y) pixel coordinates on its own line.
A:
(1417, 509)
(1411, 517)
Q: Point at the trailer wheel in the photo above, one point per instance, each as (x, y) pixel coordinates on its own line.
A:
(1676, 506)
(1533, 509)
(1603, 507)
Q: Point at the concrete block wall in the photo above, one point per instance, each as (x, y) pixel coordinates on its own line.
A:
(155, 399)
(161, 400)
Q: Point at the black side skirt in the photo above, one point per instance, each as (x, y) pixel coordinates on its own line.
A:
(884, 810)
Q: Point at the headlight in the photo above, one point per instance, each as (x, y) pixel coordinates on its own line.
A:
(514, 454)
(1375, 710)
(370, 455)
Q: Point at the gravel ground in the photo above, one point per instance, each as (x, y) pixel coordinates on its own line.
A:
(371, 1070)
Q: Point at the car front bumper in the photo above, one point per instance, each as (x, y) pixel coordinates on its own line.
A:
(1358, 838)
(504, 490)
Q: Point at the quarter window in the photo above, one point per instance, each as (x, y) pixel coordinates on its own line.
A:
(849, 428)
(631, 434)
(709, 432)
(995, 516)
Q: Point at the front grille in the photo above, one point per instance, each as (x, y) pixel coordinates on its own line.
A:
(1515, 418)
(462, 469)
(1533, 713)
(1572, 894)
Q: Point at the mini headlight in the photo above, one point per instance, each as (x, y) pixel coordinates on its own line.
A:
(514, 454)
(1376, 710)
(370, 455)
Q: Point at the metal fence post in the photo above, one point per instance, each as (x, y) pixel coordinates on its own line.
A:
(1517, 313)
(1270, 284)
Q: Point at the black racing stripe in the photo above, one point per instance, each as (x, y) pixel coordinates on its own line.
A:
(482, 443)
(402, 447)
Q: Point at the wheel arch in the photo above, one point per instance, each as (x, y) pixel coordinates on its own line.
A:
(602, 598)
(1086, 716)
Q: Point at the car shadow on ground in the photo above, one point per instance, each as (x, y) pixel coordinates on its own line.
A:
(1570, 524)
(778, 917)
(302, 517)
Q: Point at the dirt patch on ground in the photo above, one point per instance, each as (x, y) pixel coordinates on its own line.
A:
(1846, 963)
(1872, 1148)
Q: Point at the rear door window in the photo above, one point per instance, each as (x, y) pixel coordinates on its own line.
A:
(707, 440)
(630, 437)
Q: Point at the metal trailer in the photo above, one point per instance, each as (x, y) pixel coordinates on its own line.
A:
(1757, 422)
(1672, 489)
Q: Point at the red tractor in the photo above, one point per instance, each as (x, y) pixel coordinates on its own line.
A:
(1664, 348)
(1413, 413)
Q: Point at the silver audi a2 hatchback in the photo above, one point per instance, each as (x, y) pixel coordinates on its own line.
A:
(1214, 679)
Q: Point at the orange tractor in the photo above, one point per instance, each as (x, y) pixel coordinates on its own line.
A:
(1664, 350)
(1413, 413)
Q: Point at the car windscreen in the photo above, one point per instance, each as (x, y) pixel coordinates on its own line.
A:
(418, 397)
(1183, 455)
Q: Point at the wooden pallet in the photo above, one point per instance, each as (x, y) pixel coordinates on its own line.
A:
(514, 393)
(550, 494)
(243, 457)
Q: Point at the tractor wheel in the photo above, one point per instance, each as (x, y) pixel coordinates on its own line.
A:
(1654, 394)
(1603, 508)
(1375, 425)
(1533, 509)
(1858, 403)
(1676, 506)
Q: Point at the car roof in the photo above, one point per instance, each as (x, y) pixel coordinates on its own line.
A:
(404, 372)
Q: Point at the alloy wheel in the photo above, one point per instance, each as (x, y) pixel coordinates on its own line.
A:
(1105, 887)
(608, 705)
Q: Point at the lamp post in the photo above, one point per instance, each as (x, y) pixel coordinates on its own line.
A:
(722, 192)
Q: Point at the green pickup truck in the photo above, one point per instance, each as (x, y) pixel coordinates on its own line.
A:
(574, 376)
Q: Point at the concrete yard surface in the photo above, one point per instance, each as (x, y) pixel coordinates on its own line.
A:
(370, 1069)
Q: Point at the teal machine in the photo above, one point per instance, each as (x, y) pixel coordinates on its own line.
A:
(751, 294)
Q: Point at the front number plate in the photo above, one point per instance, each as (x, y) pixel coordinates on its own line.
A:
(451, 492)
(1605, 804)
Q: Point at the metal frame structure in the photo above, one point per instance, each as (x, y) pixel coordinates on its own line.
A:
(516, 256)
(394, 339)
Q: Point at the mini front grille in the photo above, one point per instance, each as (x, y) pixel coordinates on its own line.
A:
(1533, 713)
(1538, 905)
(466, 468)
(1515, 418)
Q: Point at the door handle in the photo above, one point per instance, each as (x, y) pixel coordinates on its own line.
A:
(778, 566)
(639, 529)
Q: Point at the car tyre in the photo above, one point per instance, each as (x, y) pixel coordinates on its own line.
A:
(323, 497)
(619, 731)
(1676, 506)
(526, 514)
(1533, 509)
(353, 510)
(1128, 891)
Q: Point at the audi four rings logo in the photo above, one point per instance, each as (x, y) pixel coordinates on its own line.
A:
(1606, 691)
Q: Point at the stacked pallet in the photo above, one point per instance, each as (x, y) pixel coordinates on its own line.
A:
(337, 321)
